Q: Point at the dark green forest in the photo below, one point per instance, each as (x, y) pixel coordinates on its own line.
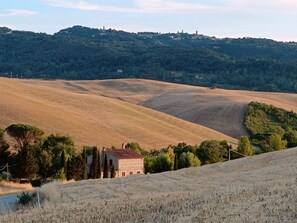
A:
(84, 53)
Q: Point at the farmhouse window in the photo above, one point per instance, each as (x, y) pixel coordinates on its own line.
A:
(123, 174)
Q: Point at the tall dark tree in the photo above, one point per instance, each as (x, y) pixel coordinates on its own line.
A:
(69, 172)
(84, 167)
(63, 161)
(99, 166)
(28, 166)
(94, 164)
(175, 162)
(45, 163)
(105, 167)
(75, 168)
(112, 172)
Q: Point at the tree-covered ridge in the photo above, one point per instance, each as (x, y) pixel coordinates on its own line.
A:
(84, 53)
(267, 123)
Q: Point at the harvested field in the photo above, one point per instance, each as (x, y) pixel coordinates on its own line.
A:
(262, 188)
(92, 119)
(218, 109)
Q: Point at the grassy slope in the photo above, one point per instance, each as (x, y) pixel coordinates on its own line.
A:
(92, 119)
(218, 109)
(254, 189)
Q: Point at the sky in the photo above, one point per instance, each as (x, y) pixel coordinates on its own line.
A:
(272, 19)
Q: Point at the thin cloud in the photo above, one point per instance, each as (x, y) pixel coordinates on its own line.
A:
(140, 6)
(154, 6)
(86, 6)
(17, 12)
(264, 5)
(179, 6)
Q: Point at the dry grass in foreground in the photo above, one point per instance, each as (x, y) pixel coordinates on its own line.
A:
(12, 188)
(255, 189)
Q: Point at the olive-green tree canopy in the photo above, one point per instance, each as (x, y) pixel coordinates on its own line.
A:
(245, 146)
(24, 134)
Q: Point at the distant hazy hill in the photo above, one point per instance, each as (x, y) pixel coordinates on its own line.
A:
(84, 53)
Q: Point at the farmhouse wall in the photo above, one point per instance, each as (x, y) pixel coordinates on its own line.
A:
(130, 166)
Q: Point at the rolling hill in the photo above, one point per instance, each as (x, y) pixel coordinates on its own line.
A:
(92, 119)
(218, 109)
(255, 189)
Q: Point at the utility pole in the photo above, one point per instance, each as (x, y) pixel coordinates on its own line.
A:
(229, 151)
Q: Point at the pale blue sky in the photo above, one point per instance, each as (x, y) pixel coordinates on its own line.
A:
(275, 19)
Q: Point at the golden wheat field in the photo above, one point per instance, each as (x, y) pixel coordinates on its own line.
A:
(218, 109)
(92, 119)
(261, 188)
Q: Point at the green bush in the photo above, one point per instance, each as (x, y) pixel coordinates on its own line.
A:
(60, 175)
(25, 198)
(188, 160)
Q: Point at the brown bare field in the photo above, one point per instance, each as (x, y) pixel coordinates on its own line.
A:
(261, 188)
(218, 109)
(91, 119)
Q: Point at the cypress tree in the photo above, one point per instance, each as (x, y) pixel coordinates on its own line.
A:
(69, 171)
(112, 173)
(27, 162)
(105, 167)
(94, 164)
(175, 162)
(63, 161)
(99, 166)
(84, 164)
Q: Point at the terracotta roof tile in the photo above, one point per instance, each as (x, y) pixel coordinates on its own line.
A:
(124, 153)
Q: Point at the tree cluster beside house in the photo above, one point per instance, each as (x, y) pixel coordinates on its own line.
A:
(122, 162)
(32, 155)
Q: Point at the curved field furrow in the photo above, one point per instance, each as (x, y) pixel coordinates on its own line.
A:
(71, 108)
(218, 109)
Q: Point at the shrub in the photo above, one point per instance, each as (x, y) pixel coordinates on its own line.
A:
(188, 160)
(25, 198)
(60, 175)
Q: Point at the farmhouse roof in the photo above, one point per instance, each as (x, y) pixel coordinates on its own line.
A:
(124, 153)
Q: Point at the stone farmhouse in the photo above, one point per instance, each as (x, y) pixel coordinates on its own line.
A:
(126, 161)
